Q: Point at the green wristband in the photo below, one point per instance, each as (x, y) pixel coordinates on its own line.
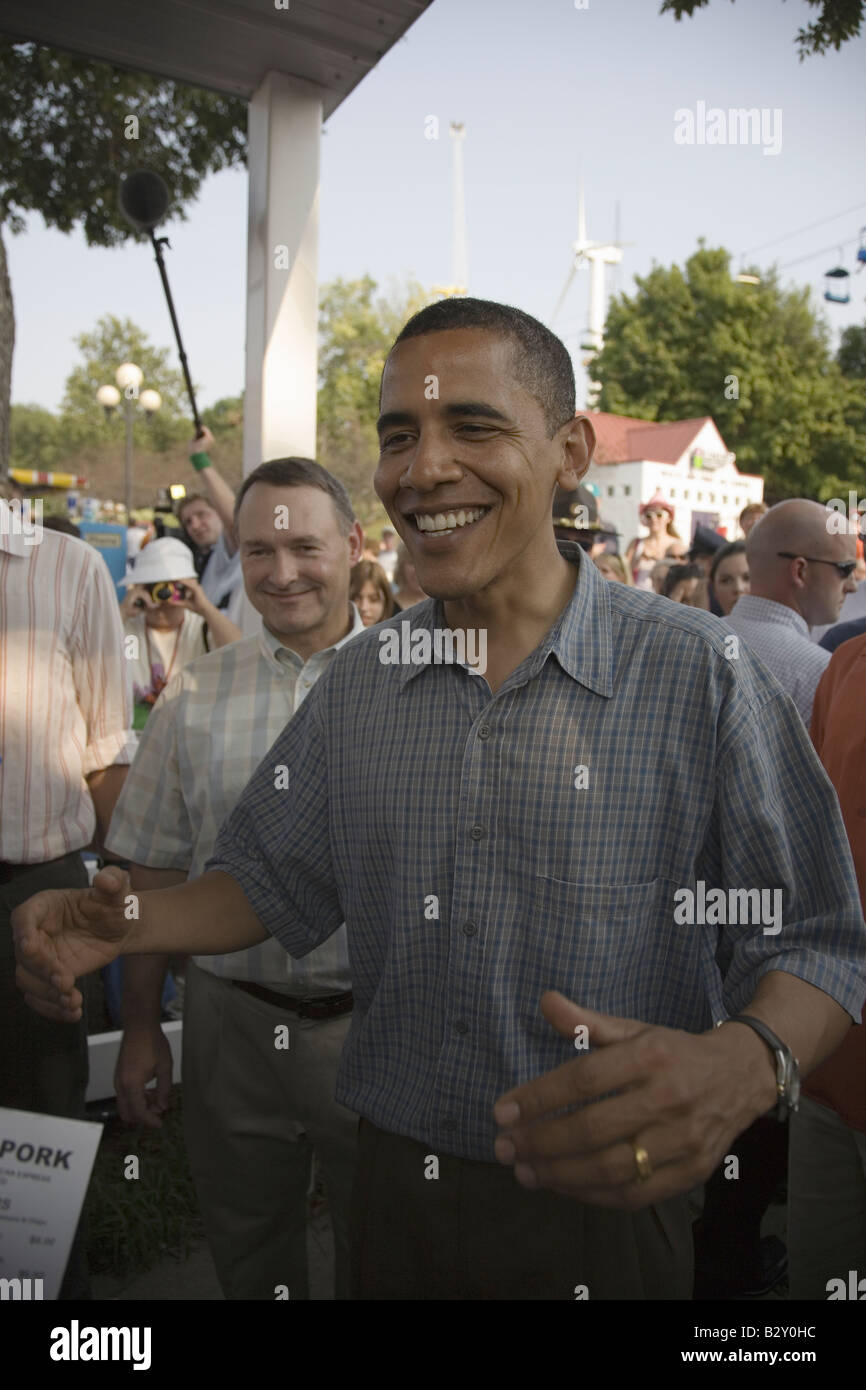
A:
(199, 461)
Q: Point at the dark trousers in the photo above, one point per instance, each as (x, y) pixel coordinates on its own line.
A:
(43, 1065)
(728, 1235)
(473, 1233)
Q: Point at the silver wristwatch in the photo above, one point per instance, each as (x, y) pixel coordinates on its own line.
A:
(787, 1067)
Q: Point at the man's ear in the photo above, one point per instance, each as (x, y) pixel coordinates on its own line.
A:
(355, 539)
(579, 446)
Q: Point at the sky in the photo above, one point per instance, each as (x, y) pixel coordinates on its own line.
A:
(550, 94)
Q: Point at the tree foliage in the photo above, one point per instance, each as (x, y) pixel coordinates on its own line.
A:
(65, 138)
(71, 127)
(852, 351)
(756, 358)
(838, 21)
(357, 327)
(36, 440)
(225, 418)
(112, 342)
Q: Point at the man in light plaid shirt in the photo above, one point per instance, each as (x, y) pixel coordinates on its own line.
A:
(254, 1112)
(533, 1050)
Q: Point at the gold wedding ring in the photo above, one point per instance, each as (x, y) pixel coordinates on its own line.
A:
(642, 1159)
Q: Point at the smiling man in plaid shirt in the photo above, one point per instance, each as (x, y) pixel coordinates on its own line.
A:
(493, 839)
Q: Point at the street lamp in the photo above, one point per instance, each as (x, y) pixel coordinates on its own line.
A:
(128, 377)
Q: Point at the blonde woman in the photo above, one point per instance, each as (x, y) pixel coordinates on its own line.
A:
(613, 567)
(658, 516)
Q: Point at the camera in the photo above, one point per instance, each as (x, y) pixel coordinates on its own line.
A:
(165, 591)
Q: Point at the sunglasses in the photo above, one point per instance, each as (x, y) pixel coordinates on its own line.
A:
(655, 513)
(845, 567)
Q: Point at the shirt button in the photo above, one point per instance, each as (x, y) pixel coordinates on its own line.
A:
(461, 1027)
(469, 928)
(449, 1124)
(477, 832)
(484, 731)
(861, 811)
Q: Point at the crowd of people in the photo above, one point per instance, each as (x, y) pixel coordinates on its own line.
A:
(430, 911)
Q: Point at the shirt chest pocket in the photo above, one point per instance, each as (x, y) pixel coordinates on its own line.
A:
(604, 940)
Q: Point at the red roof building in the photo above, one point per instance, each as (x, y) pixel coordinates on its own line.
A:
(685, 460)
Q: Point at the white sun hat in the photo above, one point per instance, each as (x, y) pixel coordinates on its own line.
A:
(164, 559)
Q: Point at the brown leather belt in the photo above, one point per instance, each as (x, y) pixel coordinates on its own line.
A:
(329, 1006)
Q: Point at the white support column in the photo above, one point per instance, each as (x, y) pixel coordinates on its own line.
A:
(285, 123)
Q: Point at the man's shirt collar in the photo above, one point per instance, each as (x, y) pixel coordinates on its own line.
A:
(755, 609)
(280, 657)
(580, 638)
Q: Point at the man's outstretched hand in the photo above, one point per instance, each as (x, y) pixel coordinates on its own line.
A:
(680, 1097)
(61, 934)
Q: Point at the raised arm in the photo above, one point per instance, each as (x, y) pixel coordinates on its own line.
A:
(220, 494)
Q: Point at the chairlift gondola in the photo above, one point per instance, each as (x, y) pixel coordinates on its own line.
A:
(861, 250)
(835, 284)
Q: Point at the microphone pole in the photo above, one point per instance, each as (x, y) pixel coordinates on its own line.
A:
(144, 201)
(158, 243)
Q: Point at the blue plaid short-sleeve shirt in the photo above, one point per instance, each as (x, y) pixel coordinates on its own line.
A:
(485, 848)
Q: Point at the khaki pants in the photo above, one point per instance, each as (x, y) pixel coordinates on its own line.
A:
(253, 1115)
(826, 1200)
(473, 1233)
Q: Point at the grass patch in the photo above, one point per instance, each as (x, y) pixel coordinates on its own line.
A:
(132, 1223)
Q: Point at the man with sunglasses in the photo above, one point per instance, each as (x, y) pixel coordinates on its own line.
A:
(799, 573)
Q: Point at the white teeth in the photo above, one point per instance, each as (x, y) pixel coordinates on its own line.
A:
(447, 521)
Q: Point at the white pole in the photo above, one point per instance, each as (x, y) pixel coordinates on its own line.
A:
(285, 119)
(596, 299)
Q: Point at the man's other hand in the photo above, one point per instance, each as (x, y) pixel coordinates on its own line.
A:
(676, 1099)
(145, 1054)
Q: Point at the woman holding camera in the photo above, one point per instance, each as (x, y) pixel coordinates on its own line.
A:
(168, 621)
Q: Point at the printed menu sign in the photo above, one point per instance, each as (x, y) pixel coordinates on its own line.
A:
(45, 1165)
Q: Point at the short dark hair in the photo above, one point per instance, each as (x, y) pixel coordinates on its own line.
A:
(677, 574)
(541, 362)
(300, 472)
(188, 500)
(732, 548)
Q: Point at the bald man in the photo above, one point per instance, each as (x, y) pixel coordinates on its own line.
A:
(799, 573)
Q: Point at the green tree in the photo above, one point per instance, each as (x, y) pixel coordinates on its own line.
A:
(356, 329)
(839, 21)
(70, 127)
(852, 351)
(225, 418)
(756, 358)
(112, 342)
(35, 438)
